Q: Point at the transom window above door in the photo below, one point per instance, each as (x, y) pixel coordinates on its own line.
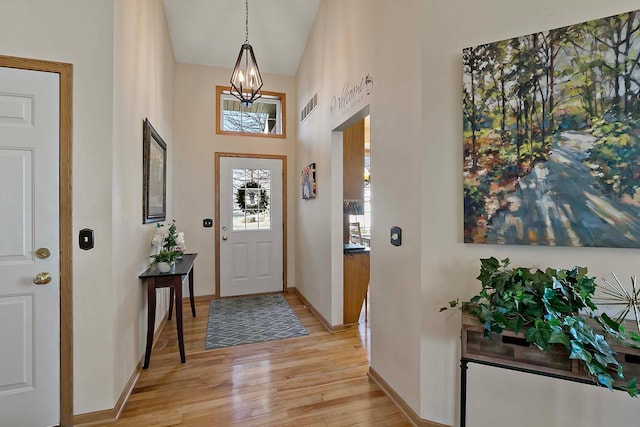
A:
(264, 118)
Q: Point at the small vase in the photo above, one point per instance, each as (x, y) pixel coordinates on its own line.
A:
(164, 267)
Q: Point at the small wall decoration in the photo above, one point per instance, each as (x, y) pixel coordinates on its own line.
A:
(352, 95)
(252, 198)
(154, 172)
(615, 295)
(552, 137)
(353, 207)
(309, 181)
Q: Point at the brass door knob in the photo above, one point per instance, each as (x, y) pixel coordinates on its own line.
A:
(43, 253)
(42, 278)
(224, 237)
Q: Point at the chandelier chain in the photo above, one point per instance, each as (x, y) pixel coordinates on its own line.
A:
(246, 81)
(246, 21)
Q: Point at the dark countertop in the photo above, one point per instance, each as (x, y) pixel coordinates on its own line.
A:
(354, 248)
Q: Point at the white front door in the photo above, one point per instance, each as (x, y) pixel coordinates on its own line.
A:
(29, 220)
(251, 226)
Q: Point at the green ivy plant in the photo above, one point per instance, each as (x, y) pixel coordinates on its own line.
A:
(553, 305)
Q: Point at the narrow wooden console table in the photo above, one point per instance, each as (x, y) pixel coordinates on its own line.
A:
(155, 279)
(512, 351)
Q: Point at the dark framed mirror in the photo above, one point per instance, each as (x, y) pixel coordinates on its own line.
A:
(154, 167)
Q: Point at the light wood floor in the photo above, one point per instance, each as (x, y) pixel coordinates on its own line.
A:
(316, 380)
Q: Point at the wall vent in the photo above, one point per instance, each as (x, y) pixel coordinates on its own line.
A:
(308, 109)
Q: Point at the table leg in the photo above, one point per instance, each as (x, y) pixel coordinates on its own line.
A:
(171, 291)
(463, 392)
(178, 286)
(151, 319)
(193, 306)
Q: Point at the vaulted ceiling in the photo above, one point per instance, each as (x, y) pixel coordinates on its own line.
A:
(210, 32)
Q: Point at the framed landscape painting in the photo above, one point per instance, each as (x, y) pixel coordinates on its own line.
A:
(551, 137)
(154, 167)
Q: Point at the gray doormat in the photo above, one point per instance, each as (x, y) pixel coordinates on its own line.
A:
(248, 320)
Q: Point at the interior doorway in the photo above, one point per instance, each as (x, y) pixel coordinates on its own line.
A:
(357, 221)
(363, 219)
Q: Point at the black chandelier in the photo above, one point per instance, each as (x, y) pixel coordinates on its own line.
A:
(246, 80)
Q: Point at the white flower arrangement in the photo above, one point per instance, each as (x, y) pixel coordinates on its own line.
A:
(167, 243)
(180, 242)
(157, 241)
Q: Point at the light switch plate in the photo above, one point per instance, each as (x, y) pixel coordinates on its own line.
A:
(396, 236)
(85, 239)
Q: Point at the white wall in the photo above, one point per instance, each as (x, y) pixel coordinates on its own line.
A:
(349, 41)
(81, 33)
(415, 134)
(144, 74)
(119, 77)
(197, 143)
(413, 53)
(496, 398)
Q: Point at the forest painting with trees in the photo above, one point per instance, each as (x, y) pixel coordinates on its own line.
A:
(552, 137)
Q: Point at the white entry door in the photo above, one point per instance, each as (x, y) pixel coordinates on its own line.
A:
(29, 230)
(251, 227)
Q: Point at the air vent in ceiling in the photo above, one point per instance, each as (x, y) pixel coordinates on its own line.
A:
(308, 109)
